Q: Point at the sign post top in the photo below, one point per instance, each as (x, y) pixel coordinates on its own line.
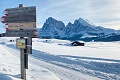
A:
(20, 5)
(20, 18)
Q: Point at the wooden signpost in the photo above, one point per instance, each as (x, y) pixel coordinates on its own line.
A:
(21, 22)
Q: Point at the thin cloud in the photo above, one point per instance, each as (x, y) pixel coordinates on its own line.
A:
(112, 25)
(98, 12)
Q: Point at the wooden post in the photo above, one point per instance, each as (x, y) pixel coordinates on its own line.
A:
(22, 58)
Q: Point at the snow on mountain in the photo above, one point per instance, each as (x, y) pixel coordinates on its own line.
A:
(78, 27)
(56, 29)
(87, 35)
(106, 30)
(85, 22)
(118, 32)
(82, 26)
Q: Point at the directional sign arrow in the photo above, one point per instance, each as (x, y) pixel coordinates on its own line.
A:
(5, 12)
(22, 11)
(2, 19)
(20, 33)
(18, 26)
(20, 18)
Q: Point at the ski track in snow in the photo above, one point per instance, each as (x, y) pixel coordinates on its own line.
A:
(6, 71)
(36, 72)
(68, 67)
(97, 69)
(102, 70)
(63, 73)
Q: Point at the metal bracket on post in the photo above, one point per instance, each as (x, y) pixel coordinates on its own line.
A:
(26, 61)
(28, 50)
(29, 46)
(20, 5)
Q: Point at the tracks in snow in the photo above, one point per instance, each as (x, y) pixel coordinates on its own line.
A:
(61, 72)
(74, 68)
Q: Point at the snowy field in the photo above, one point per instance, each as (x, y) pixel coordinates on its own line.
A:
(54, 59)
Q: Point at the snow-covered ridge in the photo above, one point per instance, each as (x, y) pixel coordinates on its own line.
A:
(86, 22)
(57, 29)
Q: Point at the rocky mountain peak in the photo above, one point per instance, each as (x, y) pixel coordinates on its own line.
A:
(78, 30)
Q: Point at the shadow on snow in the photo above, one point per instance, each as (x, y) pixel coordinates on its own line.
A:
(83, 66)
(7, 76)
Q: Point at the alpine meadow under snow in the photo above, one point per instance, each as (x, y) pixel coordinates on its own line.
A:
(54, 59)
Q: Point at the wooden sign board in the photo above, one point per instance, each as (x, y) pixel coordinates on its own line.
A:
(20, 33)
(22, 11)
(18, 26)
(20, 18)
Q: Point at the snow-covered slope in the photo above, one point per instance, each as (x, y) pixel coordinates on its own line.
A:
(54, 59)
(10, 64)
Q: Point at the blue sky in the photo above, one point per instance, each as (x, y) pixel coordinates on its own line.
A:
(104, 13)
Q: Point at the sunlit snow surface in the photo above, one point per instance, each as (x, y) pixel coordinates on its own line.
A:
(54, 59)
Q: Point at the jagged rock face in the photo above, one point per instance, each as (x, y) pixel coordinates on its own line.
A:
(80, 29)
(52, 27)
(77, 28)
(82, 26)
(52, 23)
